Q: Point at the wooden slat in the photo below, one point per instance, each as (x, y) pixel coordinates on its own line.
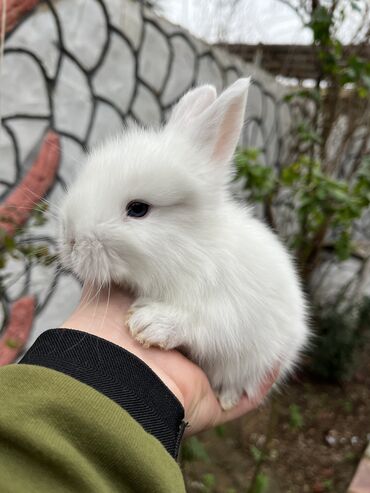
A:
(298, 61)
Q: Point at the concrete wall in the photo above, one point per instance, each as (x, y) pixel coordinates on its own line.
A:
(82, 69)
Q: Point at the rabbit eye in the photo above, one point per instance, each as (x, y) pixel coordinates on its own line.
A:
(137, 209)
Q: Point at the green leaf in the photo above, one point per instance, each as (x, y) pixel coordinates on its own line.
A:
(209, 481)
(193, 450)
(339, 195)
(363, 92)
(261, 483)
(49, 259)
(328, 484)
(343, 245)
(9, 243)
(321, 23)
(296, 418)
(290, 174)
(2, 261)
(12, 343)
(220, 431)
(260, 181)
(348, 406)
(256, 453)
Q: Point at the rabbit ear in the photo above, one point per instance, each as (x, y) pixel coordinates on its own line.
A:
(217, 129)
(192, 104)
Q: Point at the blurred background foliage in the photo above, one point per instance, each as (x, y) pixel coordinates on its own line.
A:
(17, 243)
(320, 195)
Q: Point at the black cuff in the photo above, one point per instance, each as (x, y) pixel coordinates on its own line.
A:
(116, 373)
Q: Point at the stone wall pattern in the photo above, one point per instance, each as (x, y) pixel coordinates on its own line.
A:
(80, 70)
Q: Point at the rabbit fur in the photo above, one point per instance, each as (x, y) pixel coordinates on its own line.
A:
(210, 279)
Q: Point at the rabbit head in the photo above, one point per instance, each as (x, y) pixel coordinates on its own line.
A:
(143, 208)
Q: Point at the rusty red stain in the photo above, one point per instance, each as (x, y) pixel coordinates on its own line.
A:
(16, 208)
(22, 313)
(15, 10)
(14, 212)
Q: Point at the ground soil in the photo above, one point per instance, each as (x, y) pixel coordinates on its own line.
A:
(307, 439)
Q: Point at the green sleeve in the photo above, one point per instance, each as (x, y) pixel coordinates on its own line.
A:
(60, 435)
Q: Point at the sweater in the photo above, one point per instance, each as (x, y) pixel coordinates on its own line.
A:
(80, 414)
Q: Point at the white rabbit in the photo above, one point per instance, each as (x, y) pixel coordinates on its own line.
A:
(151, 210)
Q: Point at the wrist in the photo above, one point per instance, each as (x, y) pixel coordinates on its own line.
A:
(105, 315)
(115, 373)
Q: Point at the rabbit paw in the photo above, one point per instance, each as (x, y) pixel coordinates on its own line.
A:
(152, 326)
(229, 398)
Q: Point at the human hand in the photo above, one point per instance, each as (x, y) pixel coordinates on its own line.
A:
(104, 313)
